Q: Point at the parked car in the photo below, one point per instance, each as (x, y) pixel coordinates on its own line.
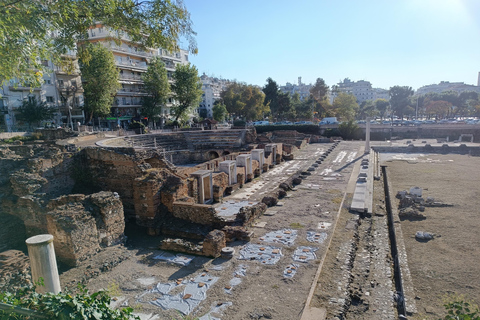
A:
(304, 122)
(261, 123)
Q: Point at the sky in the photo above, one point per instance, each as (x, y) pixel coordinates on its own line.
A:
(387, 42)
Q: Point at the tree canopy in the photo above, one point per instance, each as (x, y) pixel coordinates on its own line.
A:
(32, 112)
(187, 89)
(33, 31)
(382, 106)
(155, 84)
(271, 91)
(367, 109)
(319, 90)
(100, 77)
(245, 101)
(399, 99)
(219, 111)
(345, 106)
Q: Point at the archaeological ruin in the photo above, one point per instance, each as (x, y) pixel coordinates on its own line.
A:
(171, 184)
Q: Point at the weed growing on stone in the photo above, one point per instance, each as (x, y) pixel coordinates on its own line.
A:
(113, 289)
(296, 225)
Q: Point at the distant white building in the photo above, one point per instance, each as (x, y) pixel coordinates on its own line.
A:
(447, 86)
(381, 94)
(302, 89)
(362, 90)
(211, 87)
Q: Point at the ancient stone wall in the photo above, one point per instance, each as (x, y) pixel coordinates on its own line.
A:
(82, 224)
(116, 170)
(30, 175)
(196, 213)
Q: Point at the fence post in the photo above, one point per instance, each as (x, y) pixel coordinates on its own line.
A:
(43, 263)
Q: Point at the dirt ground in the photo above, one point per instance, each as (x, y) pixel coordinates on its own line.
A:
(449, 263)
(263, 293)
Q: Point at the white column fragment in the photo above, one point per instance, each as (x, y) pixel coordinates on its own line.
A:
(43, 263)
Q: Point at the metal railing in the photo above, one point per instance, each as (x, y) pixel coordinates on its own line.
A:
(9, 309)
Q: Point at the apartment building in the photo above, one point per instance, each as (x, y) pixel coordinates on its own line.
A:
(60, 89)
(132, 61)
(211, 87)
(301, 88)
(458, 87)
(362, 90)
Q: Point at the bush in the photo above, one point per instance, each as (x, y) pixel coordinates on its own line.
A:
(20, 138)
(459, 308)
(239, 123)
(64, 305)
(302, 128)
(36, 135)
(172, 123)
(136, 125)
(349, 130)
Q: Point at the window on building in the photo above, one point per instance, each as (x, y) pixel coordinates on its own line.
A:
(77, 101)
(31, 99)
(60, 83)
(48, 81)
(50, 99)
(45, 63)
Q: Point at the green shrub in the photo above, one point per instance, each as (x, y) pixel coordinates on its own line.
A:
(36, 136)
(349, 130)
(18, 138)
(136, 125)
(64, 305)
(239, 123)
(459, 308)
(302, 128)
(172, 123)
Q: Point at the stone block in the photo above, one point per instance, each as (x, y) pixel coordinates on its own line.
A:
(213, 244)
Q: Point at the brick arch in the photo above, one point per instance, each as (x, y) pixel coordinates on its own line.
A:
(213, 155)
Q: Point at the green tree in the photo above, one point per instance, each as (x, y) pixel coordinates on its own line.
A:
(27, 26)
(187, 89)
(219, 112)
(271, 91)
(100, 77)
(319, 93)
(285, 109)
(349, 130)
(319, 90)
(295, 103)
(32, 112)
(306, 108)
(345, 106)
(382, 106)
(155, 84)
(467, 101)
(245, 101)
(367, 109)
(399, 99)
